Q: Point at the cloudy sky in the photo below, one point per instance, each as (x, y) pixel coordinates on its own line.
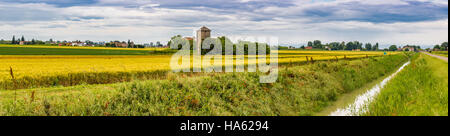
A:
(420, 22)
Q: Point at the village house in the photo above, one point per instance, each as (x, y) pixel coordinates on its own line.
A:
(23, 42)
(189, 38)
(77, 43)
(121, 44)
(309, 48)
(408, 48)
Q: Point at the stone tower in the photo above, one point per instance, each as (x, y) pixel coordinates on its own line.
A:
(202, 34)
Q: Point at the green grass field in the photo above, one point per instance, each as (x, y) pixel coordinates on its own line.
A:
(300, 90)
(55, 50)
(420, 90)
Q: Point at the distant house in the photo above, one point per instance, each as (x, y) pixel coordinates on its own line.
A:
(356, 50)
(309, 48)
(23, 42)
(121, 44)
(408, 48)
(189, 38)
(78, 44)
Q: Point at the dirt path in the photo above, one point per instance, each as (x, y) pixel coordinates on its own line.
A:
(436, 56)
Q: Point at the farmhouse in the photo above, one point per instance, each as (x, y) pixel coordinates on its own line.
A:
(23, 42)
(408, 48)
(121, 44)
(78, 43)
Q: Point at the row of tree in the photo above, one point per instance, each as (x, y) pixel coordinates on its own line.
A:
(396, 48)
(353, 45)
(442, 47)
(130, 44)
(242, 47)
(15, 40)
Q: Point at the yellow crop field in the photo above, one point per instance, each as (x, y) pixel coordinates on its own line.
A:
(55, 65)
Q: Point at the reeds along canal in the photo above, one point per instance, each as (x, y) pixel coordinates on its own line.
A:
(361, 102)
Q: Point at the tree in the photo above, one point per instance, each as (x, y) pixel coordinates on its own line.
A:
(349, 46)
(317, 44)
(33, 41)
(173, 38)
(437, 47)
(13, 41)
(342, 46)
(357, 45)
(444, 46)
(376, 47)
(22, 39)
(310, 44)
(303, 47)
(393, 48)
(334, 46)
(158, 43)
(368, 46)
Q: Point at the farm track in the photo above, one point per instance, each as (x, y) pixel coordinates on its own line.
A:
(437, 56)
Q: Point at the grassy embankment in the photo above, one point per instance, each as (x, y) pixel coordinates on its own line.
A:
(300, 90)
(421, 89)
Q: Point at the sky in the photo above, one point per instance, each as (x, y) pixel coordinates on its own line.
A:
(294, 22)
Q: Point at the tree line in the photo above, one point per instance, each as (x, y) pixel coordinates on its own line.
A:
(241, 48)
(15, 40)
(442, 47)
(356, 45)
(352, 45)
(129, 44)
